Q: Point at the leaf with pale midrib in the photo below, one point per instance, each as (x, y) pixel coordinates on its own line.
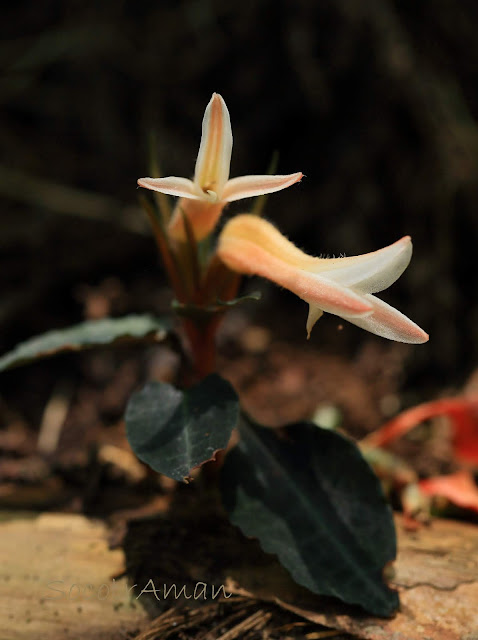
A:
(92, 333)
(176, 431)
(311, 499)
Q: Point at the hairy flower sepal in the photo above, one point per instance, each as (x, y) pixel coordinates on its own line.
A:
(203, 198)
(341, 286)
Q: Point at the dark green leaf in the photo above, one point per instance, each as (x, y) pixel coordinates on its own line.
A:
(85, 335)
(175, 431)
(311, 499)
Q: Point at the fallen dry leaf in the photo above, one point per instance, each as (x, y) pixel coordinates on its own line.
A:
(462, 413)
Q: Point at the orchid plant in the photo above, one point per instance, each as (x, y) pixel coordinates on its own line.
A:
(306, 493)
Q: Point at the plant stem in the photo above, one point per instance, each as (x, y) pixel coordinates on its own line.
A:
(202, 345)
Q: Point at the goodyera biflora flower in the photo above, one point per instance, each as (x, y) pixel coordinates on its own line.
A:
(203, 198)
(342, 286)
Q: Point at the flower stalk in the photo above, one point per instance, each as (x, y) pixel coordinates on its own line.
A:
(203, 284)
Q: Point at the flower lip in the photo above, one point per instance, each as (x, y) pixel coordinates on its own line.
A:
(371, 272)
(387, 322)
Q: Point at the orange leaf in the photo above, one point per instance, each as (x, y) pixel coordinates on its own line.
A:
(462, 413)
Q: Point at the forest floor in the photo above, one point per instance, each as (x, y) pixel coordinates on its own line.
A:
(79, 508)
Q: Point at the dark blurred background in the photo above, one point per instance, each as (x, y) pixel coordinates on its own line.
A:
(375, 101)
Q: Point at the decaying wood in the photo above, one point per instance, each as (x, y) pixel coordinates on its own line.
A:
(57, 581)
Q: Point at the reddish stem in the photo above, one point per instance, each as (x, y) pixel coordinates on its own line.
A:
(202, 345)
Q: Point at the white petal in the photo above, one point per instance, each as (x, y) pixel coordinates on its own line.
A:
(329, 296)
(389, 323)
(172, 186)
(370, 272)
(248, 186)
(214, 157)
(314, 314)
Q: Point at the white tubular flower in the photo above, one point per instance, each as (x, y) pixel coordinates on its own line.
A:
(341, 286)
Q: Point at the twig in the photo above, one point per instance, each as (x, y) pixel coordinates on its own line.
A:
(53, 418)
(257, 620)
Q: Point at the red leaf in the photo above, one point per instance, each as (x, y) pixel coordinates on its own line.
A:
(462, 413)
(465, 427)
(459, 488)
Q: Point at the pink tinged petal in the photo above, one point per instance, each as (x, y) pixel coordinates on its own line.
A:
(370, 272)
(251, 245)
(249, 186)
(248, 244)
(389, 323)
(246, 256)
(329, 296)
(172, 186)
(214, 157)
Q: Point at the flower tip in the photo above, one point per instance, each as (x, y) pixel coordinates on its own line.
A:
(417, 336)
(217, 99)
(293, 178)
(423, 337)
(405, 241)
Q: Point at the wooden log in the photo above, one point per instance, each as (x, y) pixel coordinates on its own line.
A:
(57, 581)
